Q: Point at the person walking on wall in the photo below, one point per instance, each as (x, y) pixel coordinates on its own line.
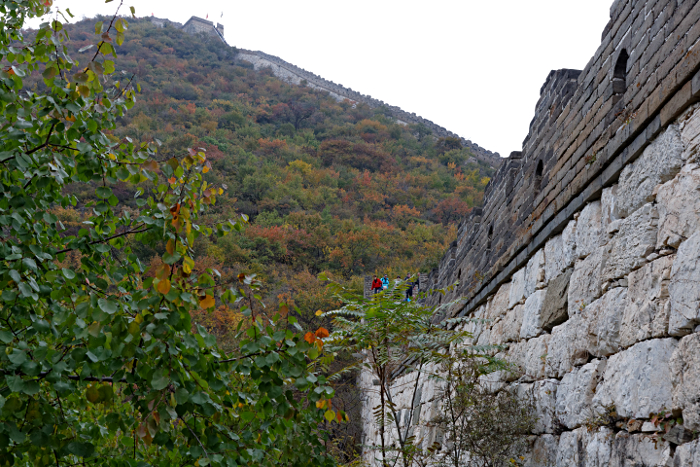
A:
(385, 282)
(376, 285)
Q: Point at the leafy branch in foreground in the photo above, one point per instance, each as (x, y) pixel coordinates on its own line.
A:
(100, 361)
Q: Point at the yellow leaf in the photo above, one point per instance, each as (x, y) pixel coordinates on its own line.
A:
(330, 415)
(112, 156)
(139, 318)
(170, 247)
(321, 404)
(319, 313)
(163, 286)
(221, 191)
(205, 169)
(187, 265)
(207, 302)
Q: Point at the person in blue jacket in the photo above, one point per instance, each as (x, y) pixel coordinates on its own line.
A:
(385, 282)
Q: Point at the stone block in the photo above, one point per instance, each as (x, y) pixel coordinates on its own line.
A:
(608, 205)
(678, 204)
(535, 273)
(568, 347)
(543, 451)
(585, 284)
(588, 229)
(684, 288)
(532, 316)
(659, 162)
(690, 129)
(517, 289)
(555, 309)
(560, 252)
(582, 448)
(637, 381)
(498, 306)
(646, 314)
(631, 244)
(575, 394)
(543, 395)
(687, 455)
(530, 356)
(685, 371)
(604, 317)
(507, 329)
(639, 450)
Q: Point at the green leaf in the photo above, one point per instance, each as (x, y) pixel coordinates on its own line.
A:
(160, 380)
(68, 274)
(108, 306)
(247, 416)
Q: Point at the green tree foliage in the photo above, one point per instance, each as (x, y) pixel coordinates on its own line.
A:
(101, 362)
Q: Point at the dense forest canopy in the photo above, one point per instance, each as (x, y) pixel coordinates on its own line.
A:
(329, 186)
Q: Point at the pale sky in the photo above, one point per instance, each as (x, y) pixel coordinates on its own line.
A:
(474, 67)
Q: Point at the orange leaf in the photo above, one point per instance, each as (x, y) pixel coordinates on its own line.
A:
(241, 277)
(172, 180)
(205, 169)
(163, 286)
(170, 247)
(310, 338)
(338, 417)
(322, 332)
(284, 309)
(207, 302)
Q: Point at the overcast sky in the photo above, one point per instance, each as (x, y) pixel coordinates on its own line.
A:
(474, 67)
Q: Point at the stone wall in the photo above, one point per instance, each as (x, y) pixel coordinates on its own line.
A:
(296, 75)
(585, 257)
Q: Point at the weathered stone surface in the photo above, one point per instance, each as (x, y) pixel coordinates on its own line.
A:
(535, 357)
(498, 306)
(535, 273)
(575, 394)
(678, 203)
(588, 229)
(560, 252)
(639, 450)
(685, 372)
(555, 309)
(585, 284)
(684, 288)
(530, 357)
(543, 395)
(678, 434)
(633, 242)
(517, 289)
(637, 381)
(687, 455)
(659, 162)
(532, 317)
(579, 448)
(608, 206)
(568, 347)
(507, 329)
(543, 451)
(604, 317)
(646, 313)
(690, 133)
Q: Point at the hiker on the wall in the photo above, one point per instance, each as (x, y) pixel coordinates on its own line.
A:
(385, 282)
(376, 285)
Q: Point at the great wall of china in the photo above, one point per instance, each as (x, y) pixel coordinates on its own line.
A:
(584, 258)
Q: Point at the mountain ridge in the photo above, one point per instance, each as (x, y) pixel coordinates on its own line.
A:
(297, 75)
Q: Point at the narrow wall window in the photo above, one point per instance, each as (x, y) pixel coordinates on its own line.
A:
(488, 245)
(619, 82)
(538, 177)
(459, 274)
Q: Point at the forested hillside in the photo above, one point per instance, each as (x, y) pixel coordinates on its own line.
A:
(328, 186)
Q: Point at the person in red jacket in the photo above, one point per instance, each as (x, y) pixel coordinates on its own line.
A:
(376, 285)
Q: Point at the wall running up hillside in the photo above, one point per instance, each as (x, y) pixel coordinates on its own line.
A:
(296, 75)
(585, 256)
